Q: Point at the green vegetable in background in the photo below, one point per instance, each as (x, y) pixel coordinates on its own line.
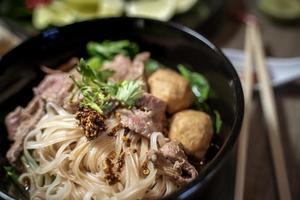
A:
(280, 9)
(202, 91)
(109, 49)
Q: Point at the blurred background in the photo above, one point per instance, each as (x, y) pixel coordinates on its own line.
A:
(221, 22)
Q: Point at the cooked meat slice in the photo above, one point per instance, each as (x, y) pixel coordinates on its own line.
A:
(173, 149)
(12, 122)
(171, 161)
(150, 102)
(120, 64)
(138, 64)
(138, 121)
(141, 58)
(65, 67)
(125, 69)
(146, 120)
(55, 87)
(19, 123)
(69, 65)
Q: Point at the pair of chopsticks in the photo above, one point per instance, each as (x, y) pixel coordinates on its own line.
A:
(255, 57)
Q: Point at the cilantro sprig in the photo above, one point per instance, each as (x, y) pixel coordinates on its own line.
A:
(129, 91)
(99, 94)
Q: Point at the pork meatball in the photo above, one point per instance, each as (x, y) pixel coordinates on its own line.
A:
(172, 88)
(194, 130)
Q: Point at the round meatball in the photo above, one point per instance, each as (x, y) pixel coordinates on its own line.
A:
(194, 130)
(172, 88)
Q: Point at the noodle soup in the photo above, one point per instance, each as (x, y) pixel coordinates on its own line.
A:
(116, 125)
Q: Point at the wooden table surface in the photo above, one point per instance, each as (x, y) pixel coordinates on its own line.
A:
(280, 41)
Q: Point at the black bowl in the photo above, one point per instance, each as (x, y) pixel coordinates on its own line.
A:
(169, 43)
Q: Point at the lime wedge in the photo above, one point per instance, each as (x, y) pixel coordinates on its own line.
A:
(184, 5)
(281, 9)
(155, 9)
(110, 8)
(57, 13)
(88, 6)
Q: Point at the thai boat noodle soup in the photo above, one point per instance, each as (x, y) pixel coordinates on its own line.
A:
(119, 125)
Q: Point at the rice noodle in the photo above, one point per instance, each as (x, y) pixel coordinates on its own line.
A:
(65, 165)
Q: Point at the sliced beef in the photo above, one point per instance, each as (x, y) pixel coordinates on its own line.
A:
(65, 67)
(125, 69)
(171, 161)
(19, 123)
(55, 87)
(152, 103)
(173, 149)
(12, 122)
(138, 121)
(149, 117)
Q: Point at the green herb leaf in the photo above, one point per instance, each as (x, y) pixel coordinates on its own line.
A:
(95, 62)
(129, 91)
(14, 176)
(99, 94)
(218, 122)
(93, 97)
(11, 172)
(91, 84)
(198, 82)
(90, 75)
(151, 66)
(109, 49)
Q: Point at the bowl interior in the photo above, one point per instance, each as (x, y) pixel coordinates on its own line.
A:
(168, 43)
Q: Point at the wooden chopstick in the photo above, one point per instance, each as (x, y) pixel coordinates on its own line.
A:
(244, 134)
(271, 116)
